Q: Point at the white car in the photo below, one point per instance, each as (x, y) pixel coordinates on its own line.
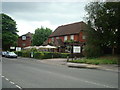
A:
(10, 55)
(3, 53)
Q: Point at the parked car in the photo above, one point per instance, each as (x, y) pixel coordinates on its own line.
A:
(3, 53)
(10, 55)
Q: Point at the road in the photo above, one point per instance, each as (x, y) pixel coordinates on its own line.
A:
(31, 73)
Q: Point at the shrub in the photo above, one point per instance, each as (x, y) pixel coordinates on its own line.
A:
(56, 55)
(19, 53)
(92, 51)
(26, 54)
(47, 55)
(38, 55)
(31, 50)
(64, 55)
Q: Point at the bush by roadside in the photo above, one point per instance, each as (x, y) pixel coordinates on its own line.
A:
(42, 55)
(100, 60)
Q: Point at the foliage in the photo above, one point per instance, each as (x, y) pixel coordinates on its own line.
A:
(19, 53)
(25, 54)
(104, 18)
(9, 32)
(93, 43)
(70, 41)
(92, 51)
(42, 55)
(38, 55)
(64, 55)
(41, 35)
(31, 50)
(96, 61)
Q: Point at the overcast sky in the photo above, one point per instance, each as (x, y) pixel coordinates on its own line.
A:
(32, 15)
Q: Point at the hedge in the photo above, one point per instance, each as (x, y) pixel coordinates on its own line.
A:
(38, 55)
(64, 55)
(43, 55)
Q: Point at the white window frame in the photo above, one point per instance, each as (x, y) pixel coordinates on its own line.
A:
(83, 37)
(57, 37)
(65, 38)
(23, 37)
(52, 38)
(72, 37)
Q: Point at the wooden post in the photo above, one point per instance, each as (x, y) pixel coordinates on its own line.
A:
(67, 58)
(113, 50)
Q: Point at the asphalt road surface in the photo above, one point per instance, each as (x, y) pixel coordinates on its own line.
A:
(31, 73)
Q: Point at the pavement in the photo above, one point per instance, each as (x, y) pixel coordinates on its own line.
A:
(63, 61)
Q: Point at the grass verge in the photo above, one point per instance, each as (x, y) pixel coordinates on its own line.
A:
(100, 60)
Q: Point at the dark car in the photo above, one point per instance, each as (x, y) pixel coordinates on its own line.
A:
(10, 55)
(3, 53)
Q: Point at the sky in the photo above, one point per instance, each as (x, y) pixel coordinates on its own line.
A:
(32, 15)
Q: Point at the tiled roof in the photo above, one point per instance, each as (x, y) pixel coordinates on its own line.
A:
(28, 35)
(68, 29)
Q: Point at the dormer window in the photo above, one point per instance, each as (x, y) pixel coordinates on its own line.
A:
(23, 37)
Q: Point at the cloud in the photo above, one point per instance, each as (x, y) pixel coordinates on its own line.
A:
(48, 0)
(25, 26)
(31, 15)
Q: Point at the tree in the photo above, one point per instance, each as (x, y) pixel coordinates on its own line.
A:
(104, 18)
(9, 32)
(41, 34)
(93, 43)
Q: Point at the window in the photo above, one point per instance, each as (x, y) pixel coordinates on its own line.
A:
(57, 37)
(23, 37)
(72, 37)
(23, 44)
(52, 38)
(65, 38)
(83, 37)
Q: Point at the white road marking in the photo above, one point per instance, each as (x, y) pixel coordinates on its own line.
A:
(98, 84)
(3, 76)
(12, 82)
(7, 79)
(18, 86)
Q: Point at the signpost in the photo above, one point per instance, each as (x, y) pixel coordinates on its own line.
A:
(18, 48)
(12, 47)
(76, 49)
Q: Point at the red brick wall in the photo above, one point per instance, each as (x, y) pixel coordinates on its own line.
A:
(62, 38)
(27, 42)
(76, 37)
(80, 37)
(49, 40)
(68, 37)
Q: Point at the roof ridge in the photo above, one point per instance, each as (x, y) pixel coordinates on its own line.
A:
(72, 23)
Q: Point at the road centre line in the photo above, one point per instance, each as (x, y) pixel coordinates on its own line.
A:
(7, 79)
(3, 76)
(18, 86)
(11, 82)
(98, 84)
